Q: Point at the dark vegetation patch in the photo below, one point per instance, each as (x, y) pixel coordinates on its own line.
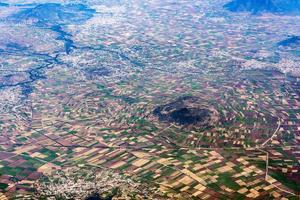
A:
(3, 4)
(98, 197)
(110, 195)
(292, 41)
(96, 72)
(291, 181)
(3, 186)
(189, 115)
(15, 47)
(184, 111)
(26, 89)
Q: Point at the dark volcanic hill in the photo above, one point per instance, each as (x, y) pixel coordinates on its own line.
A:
(185, 111)
(290, 7)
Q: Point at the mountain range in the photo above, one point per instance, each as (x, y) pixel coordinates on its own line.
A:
(289, 7)
(54, 13)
